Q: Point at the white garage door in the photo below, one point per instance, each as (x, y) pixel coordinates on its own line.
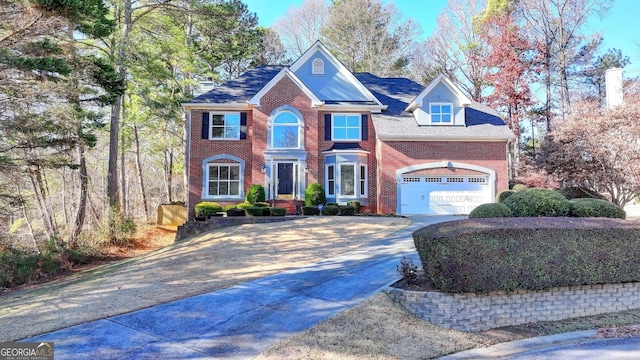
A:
(442, 195)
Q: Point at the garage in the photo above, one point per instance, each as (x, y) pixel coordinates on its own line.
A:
(442, 194)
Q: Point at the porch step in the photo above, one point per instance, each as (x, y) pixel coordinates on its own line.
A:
(293, 206)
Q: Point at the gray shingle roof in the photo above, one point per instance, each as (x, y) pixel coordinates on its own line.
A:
(240, 89)
(482, 122)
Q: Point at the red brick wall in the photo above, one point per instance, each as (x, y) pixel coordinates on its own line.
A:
(399, 154)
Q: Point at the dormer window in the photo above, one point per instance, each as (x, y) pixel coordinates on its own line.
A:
(441, 113)
(317, 67)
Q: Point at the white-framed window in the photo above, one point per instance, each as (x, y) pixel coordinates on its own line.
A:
(346, 127)
(331, 180)
(347, 179)
(317, 67)
(225, 126)
(285, 131)
(441, 113)
(223, 180)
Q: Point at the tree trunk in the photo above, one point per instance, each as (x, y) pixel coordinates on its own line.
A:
(78, 223)
(139, 170)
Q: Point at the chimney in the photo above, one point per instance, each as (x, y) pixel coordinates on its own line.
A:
(205, 86)
(613, 87)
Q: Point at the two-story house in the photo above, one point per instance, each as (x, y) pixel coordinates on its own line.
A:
(389, 143)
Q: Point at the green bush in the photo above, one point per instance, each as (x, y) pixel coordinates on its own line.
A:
(261, 204)
(207, 208)
(490, 211)
(347, 210)
(503, 195)
(519, 187)
(355, 204)
(244, 206)
(333, 204)
(236, 212)
(314, 195)
(254, 211)
(538, 202)
(576, 192)
(255, 194)
(483, 255)
(310, 210)
(278, 211)
(588, 207)
(229, 207)
(330, 210)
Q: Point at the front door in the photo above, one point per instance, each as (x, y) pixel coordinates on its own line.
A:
(285, 180)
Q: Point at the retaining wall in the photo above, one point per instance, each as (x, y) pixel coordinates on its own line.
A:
(196, 227)
(472, 312)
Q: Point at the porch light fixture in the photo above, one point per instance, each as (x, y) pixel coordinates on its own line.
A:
(264, 168)
(449, 165)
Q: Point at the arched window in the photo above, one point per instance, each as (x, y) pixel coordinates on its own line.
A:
(317, 67)
(285, 131)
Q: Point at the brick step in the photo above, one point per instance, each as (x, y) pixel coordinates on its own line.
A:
(293, 206)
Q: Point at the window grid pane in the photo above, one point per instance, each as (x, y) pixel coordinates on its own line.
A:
(347, 180)
(225, 126)
(441, 113)
(330, 180)
(346, 127)
(224, 180)
(363, 180)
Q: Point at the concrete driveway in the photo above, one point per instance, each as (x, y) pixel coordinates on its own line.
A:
(243, 320)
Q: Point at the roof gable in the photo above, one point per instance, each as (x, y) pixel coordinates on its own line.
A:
(255, 100)
(437, 83)
(336, 84)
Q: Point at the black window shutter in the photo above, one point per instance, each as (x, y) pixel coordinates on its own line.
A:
(327, 126)
(365, 127)
(205, 125)
(243, 125)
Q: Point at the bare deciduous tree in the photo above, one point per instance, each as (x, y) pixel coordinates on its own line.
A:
(301, 26)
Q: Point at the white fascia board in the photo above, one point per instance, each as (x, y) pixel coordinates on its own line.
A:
(462, 98)
(255, 100)
(346, 152)
(425, 139)
(337, 107)
(318, 46)
(215, 107)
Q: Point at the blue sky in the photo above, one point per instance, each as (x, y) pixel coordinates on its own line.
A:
(619, 28)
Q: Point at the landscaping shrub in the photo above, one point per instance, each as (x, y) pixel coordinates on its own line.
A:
(229, 207)
(255, 194)
(333, 204)
(503, 195)
(236, 212)
(207, 208)
(310, 210)
(278, 211)
(347, 210)
(483, 255)
(519, 187)
(254, 211)
(490, 211)
(244, 206)
(261, 204)
(408, 270)
(314, 195)
(330, 210)
(355, 204)
(576, 192)
(538, 202)
(589, 207)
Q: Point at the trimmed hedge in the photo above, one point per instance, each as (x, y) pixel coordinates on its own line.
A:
(503, 195)
(236, 212)
(314, 195)
(310, 210)
(483, 255)
(519, 187)
(330, 210)
(277, 211)
(589, 207)
(490, 211)
(207, 208)
(255, 194)
(355, 204)
(258, 211)
(262, 204)
(347, 210)
(576, 192)
(538, 202)
(229, 207)
(244, 206)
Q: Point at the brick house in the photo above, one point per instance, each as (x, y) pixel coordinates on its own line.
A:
(389, 143)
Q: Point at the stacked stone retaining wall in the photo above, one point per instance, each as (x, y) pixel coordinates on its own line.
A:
(472, 312)
(217, 222)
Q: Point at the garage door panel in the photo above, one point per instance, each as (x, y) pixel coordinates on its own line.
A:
(442, 195)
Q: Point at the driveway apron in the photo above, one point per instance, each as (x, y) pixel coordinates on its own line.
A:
(244, 320)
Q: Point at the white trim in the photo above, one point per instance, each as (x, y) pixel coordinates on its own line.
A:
(346, 127)
(317, 67)
(441, 104)
(353, 107)
(224, 114)
(326, 179)
(218, 107)
(462, 98)
(356, 184)
(346, 152)
(318, 46)
(255, 100)
(364, 194)
(205, 177)
(444, 164)
(441, 138)
(299, 125)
